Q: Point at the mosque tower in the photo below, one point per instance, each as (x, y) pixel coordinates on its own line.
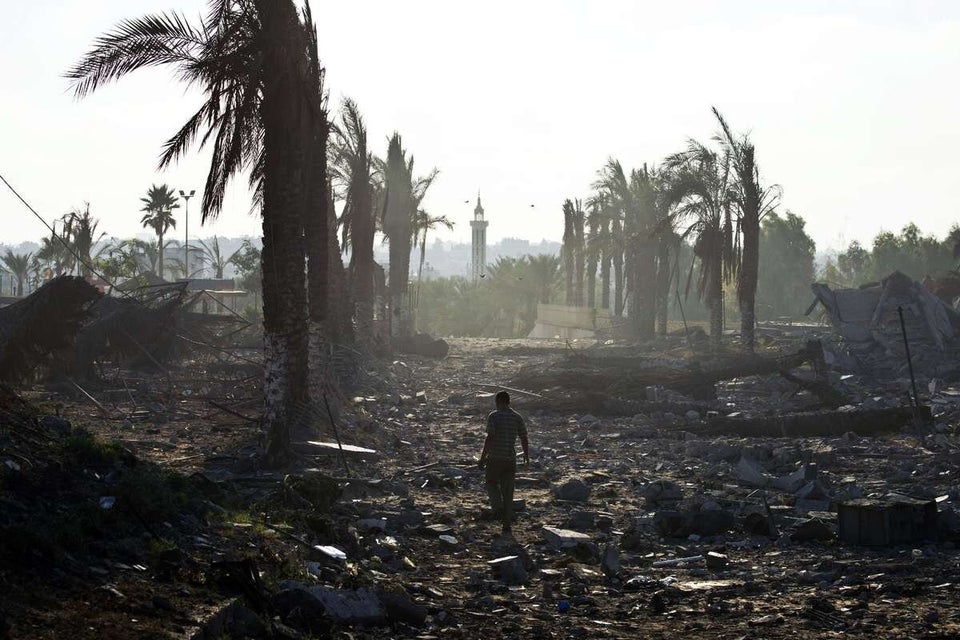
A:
(479, 227)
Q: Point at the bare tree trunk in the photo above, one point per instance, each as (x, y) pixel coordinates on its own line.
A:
(747, 283)
(160, 256)
(605, 281)
(714, 301)
(663, 285)
(579, 253)
(284, 286)
(316, 130)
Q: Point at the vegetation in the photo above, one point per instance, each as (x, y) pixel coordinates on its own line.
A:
(159, 204)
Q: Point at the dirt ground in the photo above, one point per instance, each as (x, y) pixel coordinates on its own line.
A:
(166, 577)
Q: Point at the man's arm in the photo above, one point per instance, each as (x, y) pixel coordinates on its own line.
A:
(486, 448)
(526, 448)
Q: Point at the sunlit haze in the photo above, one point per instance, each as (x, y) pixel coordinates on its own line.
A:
(853, 106)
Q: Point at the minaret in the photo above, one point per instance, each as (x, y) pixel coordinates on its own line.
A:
(479, 226)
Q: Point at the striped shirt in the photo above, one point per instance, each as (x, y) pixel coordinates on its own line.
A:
(504, 425)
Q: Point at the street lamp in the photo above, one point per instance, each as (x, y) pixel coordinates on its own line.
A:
(186, 233)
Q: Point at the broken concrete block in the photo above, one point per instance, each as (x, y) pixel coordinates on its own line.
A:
(582, 520)
(717, 561)
(509, 569)
(574, 489)
(751, 473)
(448, 541)
(660, 491)
(439, 529)
(372, 524)
(564, 538)
(894, 519)
(359, 606)
(674, 524)
(610, 560)
(812, 529)
(793, 482)
(813, 496)
(400, 608)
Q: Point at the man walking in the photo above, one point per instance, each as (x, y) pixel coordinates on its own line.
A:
(499, 457)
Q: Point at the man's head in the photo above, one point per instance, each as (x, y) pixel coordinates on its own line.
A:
(503, 400)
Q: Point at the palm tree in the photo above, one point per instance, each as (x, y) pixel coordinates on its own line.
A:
(705, 181)
(593, 247)
(18, 264)
(159, 204)
(753, 203)
(403, 198)
(81, 228)
(214, 258)
(544, 275)
(250, 58)
(353, 170)
(569, 249)
(54, 253)
(422, 223)
(579, 252)
(634, 202)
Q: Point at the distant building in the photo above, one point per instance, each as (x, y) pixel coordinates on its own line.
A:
(479, 254)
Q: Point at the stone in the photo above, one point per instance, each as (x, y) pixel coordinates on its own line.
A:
(749, 472)
(610, 560)
(811, 530)
(400, 608)
(757, 524)
(233, 621)
(660, 491)
(793, 482)
(372, 524)
(359, 606)
(674, 524)
(448, 541)
(813, 496)
(692, 416)
(582, 520)
(297, 608)
(717, 561)
(56, 424)
(509, 570)
(574, 489)
(439, 529)
(330, 553)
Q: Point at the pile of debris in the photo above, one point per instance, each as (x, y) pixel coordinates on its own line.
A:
(868, 321)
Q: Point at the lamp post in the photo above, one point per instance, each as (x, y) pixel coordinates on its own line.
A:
(186, 233)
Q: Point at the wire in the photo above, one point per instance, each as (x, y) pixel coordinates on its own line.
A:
(65, 244)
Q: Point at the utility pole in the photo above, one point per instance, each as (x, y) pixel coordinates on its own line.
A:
(186, 233)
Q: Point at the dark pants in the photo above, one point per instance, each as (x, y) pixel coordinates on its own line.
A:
(500, 476)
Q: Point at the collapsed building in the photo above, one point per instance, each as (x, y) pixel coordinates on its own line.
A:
(867, 321)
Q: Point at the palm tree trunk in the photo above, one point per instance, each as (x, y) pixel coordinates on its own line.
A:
(160, 256)
(646, 288)
(618, 282)
(316, 130)
(362, 268)
(715, 302)
(284, 292)
(747, 283)
(605, 280)
(663, 285)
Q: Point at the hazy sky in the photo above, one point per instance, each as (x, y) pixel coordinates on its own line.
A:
(854, 106)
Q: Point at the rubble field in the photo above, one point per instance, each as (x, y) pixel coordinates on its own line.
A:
(629, 525)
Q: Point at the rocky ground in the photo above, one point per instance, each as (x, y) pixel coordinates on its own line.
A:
(629, 526)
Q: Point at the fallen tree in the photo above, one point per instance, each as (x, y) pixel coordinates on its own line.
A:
(863, 422)
(629, 376)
